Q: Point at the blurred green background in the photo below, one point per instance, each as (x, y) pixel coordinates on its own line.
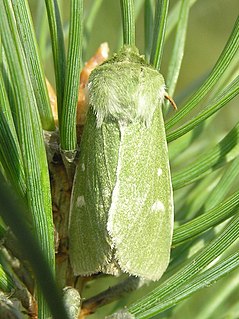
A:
(210, 24)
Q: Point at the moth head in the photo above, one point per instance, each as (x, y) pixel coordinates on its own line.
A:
(126, 89)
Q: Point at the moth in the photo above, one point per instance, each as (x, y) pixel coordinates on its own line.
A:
(121, 217)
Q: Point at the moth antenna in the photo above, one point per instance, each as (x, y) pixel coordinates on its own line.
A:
(171, 101)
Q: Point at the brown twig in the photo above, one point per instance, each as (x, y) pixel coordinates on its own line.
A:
(90, 305)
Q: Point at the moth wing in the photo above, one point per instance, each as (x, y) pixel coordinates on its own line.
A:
(89, 243)
(141, 214)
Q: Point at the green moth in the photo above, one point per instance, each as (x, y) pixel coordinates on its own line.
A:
(121, 217)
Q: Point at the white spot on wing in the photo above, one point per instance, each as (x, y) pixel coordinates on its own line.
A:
(83, 167)
(159, 171)
(80, 202)
(158, 206)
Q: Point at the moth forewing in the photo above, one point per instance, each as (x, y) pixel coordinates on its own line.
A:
(141, 214)
(122, 207)
(90, 247)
